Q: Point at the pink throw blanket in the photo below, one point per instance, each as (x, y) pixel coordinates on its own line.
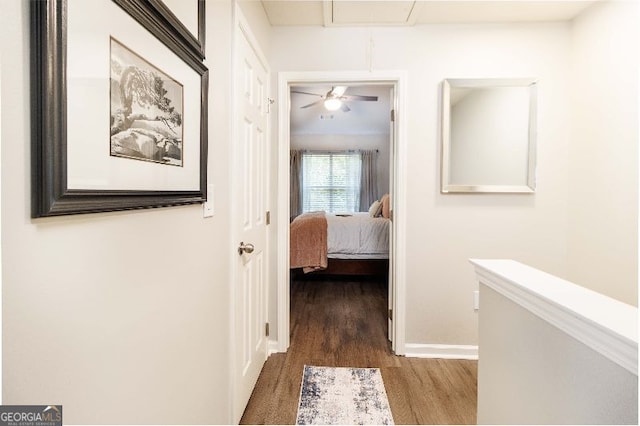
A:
(308, 242)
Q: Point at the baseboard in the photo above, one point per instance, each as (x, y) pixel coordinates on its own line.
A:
(418, 350)
(425, 350)
(272, 347)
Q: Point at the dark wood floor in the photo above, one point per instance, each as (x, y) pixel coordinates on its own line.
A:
(342, 323)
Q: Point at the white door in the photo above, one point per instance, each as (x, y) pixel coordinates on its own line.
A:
(250, 193)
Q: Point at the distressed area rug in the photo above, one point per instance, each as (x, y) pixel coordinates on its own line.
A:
(346, 396)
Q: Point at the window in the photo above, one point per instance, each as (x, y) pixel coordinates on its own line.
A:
(331, 182)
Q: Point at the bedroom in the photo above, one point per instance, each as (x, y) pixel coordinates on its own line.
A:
(340, 163)
(340, 158)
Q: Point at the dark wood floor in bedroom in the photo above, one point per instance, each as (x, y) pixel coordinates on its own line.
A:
(342, 323)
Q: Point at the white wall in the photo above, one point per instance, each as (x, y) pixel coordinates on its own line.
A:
(346, 142)
(119, 317)
(443, 231)
(603, 156)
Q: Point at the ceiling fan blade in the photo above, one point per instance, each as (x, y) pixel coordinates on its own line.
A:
(306, 93)
(358, 98)
(312, 104)
(338, 90)
(345, 108)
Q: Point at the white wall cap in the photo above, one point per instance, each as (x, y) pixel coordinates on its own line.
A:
(600, 322)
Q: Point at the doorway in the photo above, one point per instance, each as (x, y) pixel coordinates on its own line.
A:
(396, 81)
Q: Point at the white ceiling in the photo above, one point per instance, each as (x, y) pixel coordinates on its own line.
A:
(399, 12)
(365, 117)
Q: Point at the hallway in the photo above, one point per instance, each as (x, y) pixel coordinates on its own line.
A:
(342, 323)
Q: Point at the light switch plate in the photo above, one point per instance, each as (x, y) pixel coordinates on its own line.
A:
(208, 210)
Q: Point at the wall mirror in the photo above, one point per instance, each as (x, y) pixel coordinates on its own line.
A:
(488, 135)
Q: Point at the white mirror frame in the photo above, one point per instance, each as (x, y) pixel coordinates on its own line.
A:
(447, 84)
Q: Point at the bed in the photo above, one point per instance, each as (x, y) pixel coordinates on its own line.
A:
(339, 244)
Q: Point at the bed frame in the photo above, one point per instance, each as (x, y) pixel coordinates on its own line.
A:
(368, 267)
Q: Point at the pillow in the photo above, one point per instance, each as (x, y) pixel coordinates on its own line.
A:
(386, 205)
(375, 209)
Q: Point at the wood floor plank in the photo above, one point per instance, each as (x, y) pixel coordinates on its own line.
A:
(342, 323)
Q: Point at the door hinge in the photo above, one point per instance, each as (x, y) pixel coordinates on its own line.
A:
(390, 314)
(269, 103)
(266, 329)
(393, 115)
(268, 219)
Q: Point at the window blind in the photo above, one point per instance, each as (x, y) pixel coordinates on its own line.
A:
(331, 182)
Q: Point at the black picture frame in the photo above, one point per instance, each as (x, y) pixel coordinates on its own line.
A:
(171, 30)
(50, 194)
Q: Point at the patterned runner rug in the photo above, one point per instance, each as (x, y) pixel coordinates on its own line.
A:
(353, 396)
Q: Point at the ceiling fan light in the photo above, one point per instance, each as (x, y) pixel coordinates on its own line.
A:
(332, 104)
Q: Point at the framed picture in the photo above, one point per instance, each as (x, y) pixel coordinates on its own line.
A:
(119, 108)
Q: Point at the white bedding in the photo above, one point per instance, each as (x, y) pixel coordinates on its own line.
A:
(358, 236)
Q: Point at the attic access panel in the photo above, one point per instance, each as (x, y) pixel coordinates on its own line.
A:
(370, 12)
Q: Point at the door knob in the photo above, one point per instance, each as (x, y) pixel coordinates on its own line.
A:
(245, 248)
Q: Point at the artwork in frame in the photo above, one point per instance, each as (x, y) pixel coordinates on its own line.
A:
(82, 100)
(146, 109)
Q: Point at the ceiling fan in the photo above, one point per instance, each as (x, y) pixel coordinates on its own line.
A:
(335, 98)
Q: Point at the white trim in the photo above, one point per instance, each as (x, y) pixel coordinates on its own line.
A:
(399, 80)
(429, 350)
(272, 347)
(399, 220)
(282, 272)
(606, 325)
(233, 276)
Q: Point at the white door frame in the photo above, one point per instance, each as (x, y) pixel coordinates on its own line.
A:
(398, 79)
